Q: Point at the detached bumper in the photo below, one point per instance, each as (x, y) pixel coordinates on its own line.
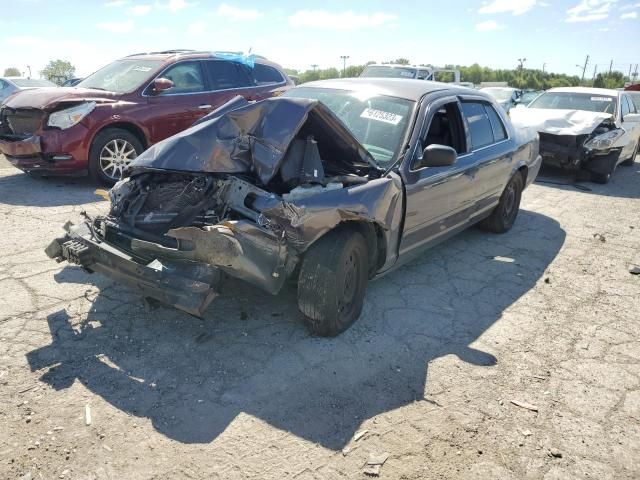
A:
(188, 286)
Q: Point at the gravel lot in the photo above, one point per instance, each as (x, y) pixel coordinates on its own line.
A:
(547, 315)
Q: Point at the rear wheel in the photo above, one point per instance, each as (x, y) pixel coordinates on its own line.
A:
(111, 153)
(600, 177)
(332, 282)
(504, 215)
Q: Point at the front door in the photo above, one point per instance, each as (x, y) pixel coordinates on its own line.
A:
(176, 109)
(438, 199)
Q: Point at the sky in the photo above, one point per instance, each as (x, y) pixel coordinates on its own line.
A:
(299, 33)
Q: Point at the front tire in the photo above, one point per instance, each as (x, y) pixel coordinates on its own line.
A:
(111, 153)
(504, 215)
(332, 282)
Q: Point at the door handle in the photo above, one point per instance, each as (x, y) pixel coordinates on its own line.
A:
(204, 106)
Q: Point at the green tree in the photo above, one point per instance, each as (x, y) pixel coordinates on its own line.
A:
(11, 72)
(58, 71)
(401, 61)
(609, 80)
(353, 71)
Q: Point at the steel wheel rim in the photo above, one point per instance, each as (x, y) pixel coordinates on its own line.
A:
(509, 201)
(115, 156)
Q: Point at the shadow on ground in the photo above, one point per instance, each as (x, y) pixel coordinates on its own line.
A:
(624, 183)
(24, 190)
(252, 353)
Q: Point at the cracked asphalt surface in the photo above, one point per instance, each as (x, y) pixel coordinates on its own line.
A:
(547, 316)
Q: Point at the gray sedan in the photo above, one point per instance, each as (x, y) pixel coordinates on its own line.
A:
(330, 185)
(9, 85)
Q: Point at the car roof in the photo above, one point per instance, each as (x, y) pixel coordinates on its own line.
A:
(408, 89)
(172, 55)
(396, 65)
(588, 90)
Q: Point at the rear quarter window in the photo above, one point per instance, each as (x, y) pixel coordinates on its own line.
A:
(266, 75)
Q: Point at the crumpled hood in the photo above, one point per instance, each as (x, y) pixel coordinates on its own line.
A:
(558, 122)
(48, 98)
(243, 137)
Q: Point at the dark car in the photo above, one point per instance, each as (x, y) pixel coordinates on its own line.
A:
(332, 184)
(113, 115)
(10, 85)
(72, 82)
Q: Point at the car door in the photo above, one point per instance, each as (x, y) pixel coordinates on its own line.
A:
(171, 111)
(227, 80)
(438, 199)
(268, 81)
(632, 129)
(491, 149)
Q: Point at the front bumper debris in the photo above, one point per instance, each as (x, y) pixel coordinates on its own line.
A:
(188, 286)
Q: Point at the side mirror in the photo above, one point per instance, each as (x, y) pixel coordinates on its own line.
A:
(162, 84)
(631, 117)
(437, 156)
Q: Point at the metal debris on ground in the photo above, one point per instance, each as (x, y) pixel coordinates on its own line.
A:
(374, 463)
(635, 270)
(526, 405)
(87, 415)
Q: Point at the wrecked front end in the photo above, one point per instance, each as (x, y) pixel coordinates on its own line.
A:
(574, 139)
(244, 193)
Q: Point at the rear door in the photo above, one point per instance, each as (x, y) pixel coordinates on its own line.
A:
(173, 110)
(268, 80)
(629, 140)
(491, 149)
(438, 199)
(227, 79)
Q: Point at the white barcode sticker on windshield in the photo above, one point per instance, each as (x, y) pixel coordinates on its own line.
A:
(381, 116)
(601, 99)
(139, 68)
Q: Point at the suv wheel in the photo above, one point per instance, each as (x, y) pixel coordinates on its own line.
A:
(111, 153)
(504, 215)
(332, 282)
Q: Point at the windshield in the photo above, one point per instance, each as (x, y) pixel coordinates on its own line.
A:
(121, 76)
(575, 101)
(500, 94)
(377, 121)
(527, 97)
(32, 83)
(388, 72)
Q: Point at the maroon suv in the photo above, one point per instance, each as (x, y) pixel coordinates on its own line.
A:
(110, 117)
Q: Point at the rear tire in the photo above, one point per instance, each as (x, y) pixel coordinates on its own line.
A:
(504, 215)
(111, 152)
(601, 178)
(332, 282)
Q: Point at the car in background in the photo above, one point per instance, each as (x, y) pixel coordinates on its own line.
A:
(330, 185)
(109, 118)
(391, 70)
(72, 82)
(10, 85)
(507, 97)
(529, 96)
(590, 129)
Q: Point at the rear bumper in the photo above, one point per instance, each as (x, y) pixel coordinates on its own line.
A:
(187, 286)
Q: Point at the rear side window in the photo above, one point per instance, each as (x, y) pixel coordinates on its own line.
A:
(499, 133)
(226, 75)
(266, 75)
(479, 124)
(186, 77)
(635, 99)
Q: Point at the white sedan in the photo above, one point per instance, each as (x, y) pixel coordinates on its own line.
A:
(592, 129)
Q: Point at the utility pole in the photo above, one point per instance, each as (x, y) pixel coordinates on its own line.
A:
(610, 66)
(595, 69)
(521, 63)
(314, 66)
(344, 64)
(543, 67)
(635, 73)
(630, 67)
(29, 70)
(584, 69)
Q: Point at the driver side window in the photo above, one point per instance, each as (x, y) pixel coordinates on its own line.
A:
(186, 77)
(446, 129)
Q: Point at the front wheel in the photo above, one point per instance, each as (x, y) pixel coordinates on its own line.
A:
(111, 153)
(504, 215)
(332, 282)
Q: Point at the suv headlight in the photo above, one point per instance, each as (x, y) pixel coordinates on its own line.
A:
(70, 116)
(605, 140)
